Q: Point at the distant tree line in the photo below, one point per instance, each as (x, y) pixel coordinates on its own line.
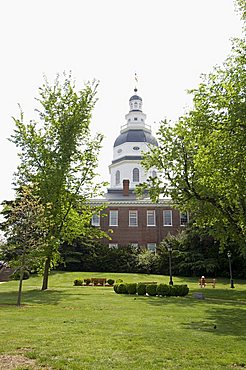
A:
(194, 254)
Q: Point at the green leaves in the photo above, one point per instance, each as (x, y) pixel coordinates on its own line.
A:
(58, 154)
(202, 158)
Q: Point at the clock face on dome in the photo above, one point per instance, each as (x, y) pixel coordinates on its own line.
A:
(136, 148)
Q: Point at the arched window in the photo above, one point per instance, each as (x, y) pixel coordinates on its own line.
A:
(117, 177)
(154, 173)
(135, 175)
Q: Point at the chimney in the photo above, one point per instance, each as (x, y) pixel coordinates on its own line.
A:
(126, 187)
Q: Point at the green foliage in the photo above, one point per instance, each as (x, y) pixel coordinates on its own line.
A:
(87, 281)
(121, 288)
(110, 281)
(151, 289)
(202, 158)
(141, 289)
(17, 275)
(131, 288)
(78, 282)
(163, 290)
(25, 227)
(58, 154)
(118, 281)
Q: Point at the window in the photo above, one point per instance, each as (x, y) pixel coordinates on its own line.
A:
(151, 247)
(167, 218)
(183, 218)
(135, 118)
(113, 218)
(154, 174)
(95, 220)
(133, 218)
(117, 177)
(135, 175)
(113, 245)
(150, 218)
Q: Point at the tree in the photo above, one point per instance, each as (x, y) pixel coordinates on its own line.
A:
(60, 156)
(25, 229)
(202, 158)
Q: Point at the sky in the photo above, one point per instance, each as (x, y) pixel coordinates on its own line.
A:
(168, 43)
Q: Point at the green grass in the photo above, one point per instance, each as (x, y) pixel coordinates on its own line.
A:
(68, 327)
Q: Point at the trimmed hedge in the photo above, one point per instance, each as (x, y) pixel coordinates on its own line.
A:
(141, 289)
(161, 290)
(151, 290)
(131, 288)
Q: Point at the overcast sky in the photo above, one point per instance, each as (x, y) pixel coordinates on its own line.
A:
(168, 43)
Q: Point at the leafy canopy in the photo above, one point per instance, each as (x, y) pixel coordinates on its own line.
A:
(202, 158)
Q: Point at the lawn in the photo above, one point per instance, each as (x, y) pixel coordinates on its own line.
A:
(69, 327)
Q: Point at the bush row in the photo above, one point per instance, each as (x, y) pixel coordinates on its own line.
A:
(87, 281)
(162, 290)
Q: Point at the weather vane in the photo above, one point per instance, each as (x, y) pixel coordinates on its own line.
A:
(136, 80)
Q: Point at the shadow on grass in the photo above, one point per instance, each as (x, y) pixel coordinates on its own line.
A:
(34, 296)
(222, 321)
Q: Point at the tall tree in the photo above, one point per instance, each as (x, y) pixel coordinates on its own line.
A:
(25, 229)
(202, 158)
(60, 156)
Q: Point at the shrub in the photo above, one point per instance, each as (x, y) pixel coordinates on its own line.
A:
(163, 290)
(16, 275)
(87, 281)
(182, 290)
(131, 288)
(173, 290)
(116, 288)
(118, 281)
(141, 289)
(110, 282)
(78, 282)
(151, 289)
(121, 288)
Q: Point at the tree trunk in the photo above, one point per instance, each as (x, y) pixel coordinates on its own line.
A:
(46, 273)
(20, 286)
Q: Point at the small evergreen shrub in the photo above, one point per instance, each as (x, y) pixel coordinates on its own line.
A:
(121, 288)
(173, 290)
(163, 290)
(116, 288)
(141, 289)
(110, 282)
(182, 290)
(87, 281)
(16, 275)
(118, 281)
(78, 282)
(131, 288)
(151, 289)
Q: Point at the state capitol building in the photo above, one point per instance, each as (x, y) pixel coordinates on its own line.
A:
(136, 222)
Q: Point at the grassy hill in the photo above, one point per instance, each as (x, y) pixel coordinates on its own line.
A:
(69, 327)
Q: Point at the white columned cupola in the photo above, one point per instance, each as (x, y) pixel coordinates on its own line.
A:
(134, 139)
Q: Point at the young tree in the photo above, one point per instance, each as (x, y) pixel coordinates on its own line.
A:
(202, 159)
(25, 229)
(60, 156)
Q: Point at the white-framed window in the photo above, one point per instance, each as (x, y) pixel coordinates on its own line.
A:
(167, 218)
(113, 245)
(135, 175)
(95, 220)
(151, 247)
(154, 174)
(184, 219)
(113, 218)
(151, 218)
(117, 177)
(133, 218)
